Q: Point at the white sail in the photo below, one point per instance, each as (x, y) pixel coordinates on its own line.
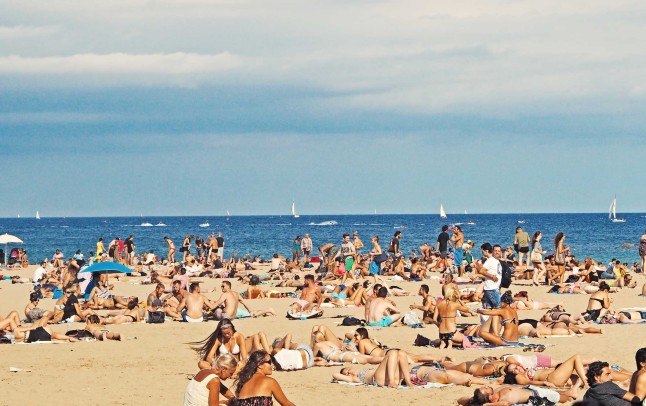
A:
(37, 215)
(442, 212)
(294, 210)
(612, 212)
(465, 211)
(228, 214)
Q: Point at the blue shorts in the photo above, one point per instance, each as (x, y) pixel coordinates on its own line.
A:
(491, 299)
(608, 275)
(457, 257)
(374, 268)
(242, 313)
(340, 296)
(385, 322)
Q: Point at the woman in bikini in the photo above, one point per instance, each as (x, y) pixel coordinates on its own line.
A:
(480, 367)
(255, 387)
(537, 258)
(130, 315)
(631, 317)
(598, 304)
(373, 348)
(560, 377)
(528, 304)
(171, 249)
(642, 250)
(394, 370)
(559, 260)
(94, 327)
(509, 323)
(445, 314)
(226, 340)
(186, 247)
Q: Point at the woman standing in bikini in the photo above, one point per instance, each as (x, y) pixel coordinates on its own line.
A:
(559, 260)
(642, 250)
(537, 258)
(445, 314)
(171, 249)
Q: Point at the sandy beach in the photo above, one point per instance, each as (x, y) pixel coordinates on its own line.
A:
(153, 363)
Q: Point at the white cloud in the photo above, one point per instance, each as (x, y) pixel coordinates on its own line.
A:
(120, 63)
(26, 31)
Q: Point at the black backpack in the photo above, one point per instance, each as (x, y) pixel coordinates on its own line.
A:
(507, 272)
(352, 321)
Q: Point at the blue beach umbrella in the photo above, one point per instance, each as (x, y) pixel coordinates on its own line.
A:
(107, 267)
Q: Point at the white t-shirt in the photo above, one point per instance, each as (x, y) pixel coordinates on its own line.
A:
(39, 273)
(493, 267)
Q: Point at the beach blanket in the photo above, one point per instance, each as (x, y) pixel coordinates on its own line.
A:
(429, 385)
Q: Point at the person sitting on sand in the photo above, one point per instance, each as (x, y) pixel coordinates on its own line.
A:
(605, 392)
(428, 304)
(395, 369)
(255, 387)
(232, 301)
(598, 303)
(72, 311)
(508, 321)
(382, 312)
(512, 395)
(33, 312)
(226, 340)
(95, 327)
(254, 292)
(311, 297)
(192, 306)
(205, 387)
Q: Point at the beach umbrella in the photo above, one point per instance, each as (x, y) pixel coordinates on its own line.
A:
(7, 239)
(106, 267)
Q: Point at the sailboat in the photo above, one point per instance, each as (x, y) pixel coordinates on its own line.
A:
(612, 212)
(442, 212)
(37, 215)
(228, 214)
(294, 210)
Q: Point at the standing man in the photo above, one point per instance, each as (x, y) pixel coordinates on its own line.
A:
(458, 253)
(347, 251)
(130, 249)
(442, 245)
(306, 246)
(213, 247)
(220, 242)
(521, 244)
(491, 270)
(393, 248)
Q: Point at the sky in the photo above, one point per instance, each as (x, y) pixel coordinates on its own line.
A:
(195, 107)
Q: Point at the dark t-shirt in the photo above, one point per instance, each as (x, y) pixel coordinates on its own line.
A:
(130, 245)
(443, 239)
(217, 264)
(394, 245)
(607, 394)
(70, 309)
(220, 241)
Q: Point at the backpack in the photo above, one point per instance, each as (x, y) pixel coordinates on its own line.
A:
(352, 321)
(507, 272)
(156, 317)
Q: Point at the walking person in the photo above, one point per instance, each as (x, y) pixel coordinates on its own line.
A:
(540, 272)
(306, 247)
(559, 259)
(521, 246)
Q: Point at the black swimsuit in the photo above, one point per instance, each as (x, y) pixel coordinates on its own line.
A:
(39, 334)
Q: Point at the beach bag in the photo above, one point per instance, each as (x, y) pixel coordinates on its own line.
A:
(536, 257)
(505, 281)
(156, 317)
(381, 258)
(559, 257)
(352, 321)
(411, 319)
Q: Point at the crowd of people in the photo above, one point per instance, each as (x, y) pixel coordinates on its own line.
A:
(350, 275)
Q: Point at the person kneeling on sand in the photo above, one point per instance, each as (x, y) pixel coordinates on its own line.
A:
(382, 313)
(192, 306)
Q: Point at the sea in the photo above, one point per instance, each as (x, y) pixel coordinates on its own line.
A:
(587, 234)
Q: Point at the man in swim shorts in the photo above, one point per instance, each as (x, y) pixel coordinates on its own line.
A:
(231, 301)
(192, 306)
(311, 297)
(382, 312)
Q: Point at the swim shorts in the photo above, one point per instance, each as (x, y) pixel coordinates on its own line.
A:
(385, 322)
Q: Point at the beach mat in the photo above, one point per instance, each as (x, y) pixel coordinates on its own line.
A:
(429, 385)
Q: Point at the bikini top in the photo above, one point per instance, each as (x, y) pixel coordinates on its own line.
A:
(224, 350)
(505, 321)
(598, 300)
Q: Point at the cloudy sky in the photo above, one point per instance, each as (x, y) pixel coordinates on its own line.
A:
(192, 107)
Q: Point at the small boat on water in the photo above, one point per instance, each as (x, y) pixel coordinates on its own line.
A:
(37, 215)
(145, 225)
(612, 212)
(521, 221)
(205, 224)
(160, 224)
(442, 212)
(471, 222)
(294, 210)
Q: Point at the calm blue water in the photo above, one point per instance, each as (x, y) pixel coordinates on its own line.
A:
(588, 234)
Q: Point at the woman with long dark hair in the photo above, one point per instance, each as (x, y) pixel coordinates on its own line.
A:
(559, 260)
(255, 387)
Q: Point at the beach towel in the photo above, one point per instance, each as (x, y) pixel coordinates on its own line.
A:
(429, 385)
(304, 316)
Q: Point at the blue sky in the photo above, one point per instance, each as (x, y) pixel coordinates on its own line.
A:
(195, 107)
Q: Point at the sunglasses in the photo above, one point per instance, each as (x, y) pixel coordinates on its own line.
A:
(69, 292)
(267, 361)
